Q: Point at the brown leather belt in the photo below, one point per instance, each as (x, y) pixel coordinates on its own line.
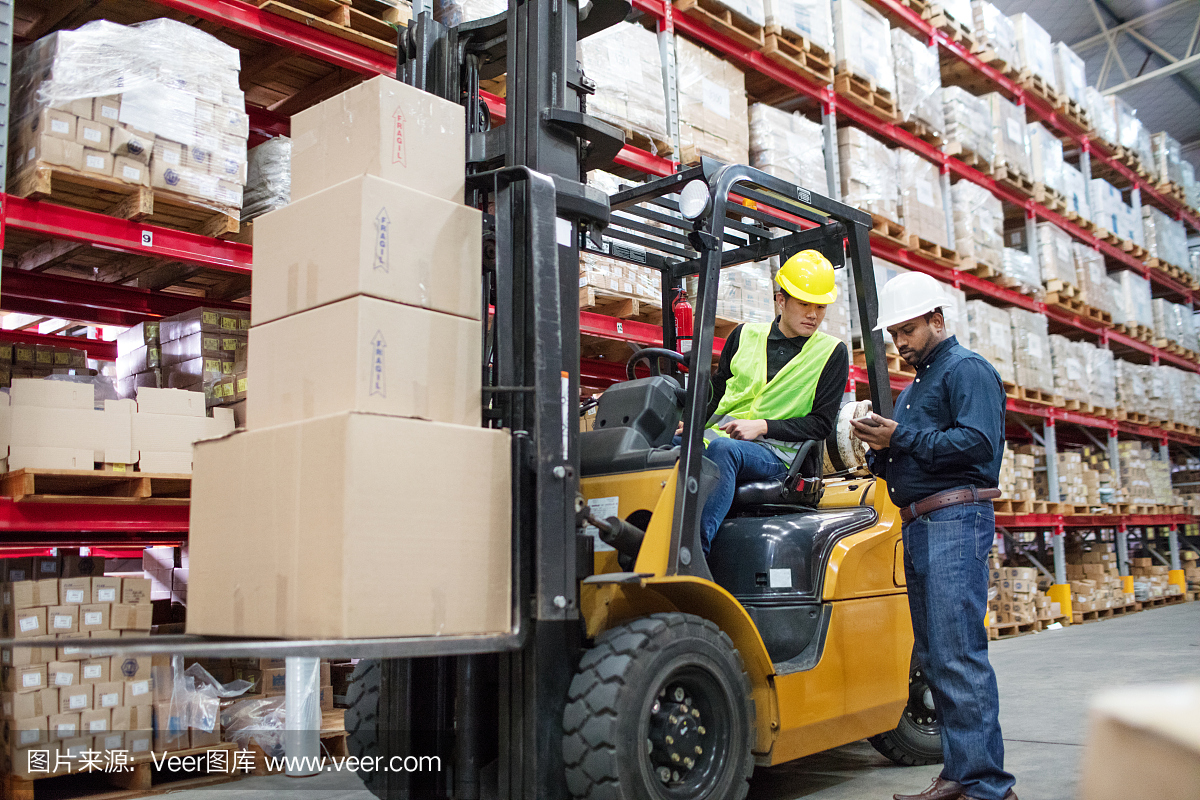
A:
(950, 497)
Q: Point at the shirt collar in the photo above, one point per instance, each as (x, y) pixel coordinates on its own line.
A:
(776, 335)
(939, 351)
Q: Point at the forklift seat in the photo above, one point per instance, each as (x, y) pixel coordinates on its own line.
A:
(763, 496)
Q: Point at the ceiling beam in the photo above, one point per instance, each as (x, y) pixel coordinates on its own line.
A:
(1180, 81)
(1136, 22)
(1163, 72)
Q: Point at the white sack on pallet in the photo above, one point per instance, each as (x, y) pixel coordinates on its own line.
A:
(788, 146)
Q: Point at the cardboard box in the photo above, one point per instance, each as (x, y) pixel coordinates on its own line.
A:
(135, 590)
(138, 692)
(52, 150)
(112, 740)
(74, 591)
(46, 592)
(95, 670)
(384, 128)
(63, 673)
(94, 617)
(20, 595)
(109, 694)
(70, 648)
(310, 509)
(131, 668)
(28, 731)
(98, 720)
(131, 617)
(26, 623)
(131, 170)
(97, 162)
(139, 740)
(170, 728)
(15, 705)
(62, 619)
(107, 109)
(22, 680)
(64, 726)
(77, 698)
(378, 239)
(93, 135)
(106, 590)
(59, 124)
(16, 569)
(26, 656)
(376, 356)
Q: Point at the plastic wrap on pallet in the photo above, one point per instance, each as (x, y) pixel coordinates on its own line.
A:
(1070, 73)
(1131, 386)
(1069, 364)
(1045, 157)
(959, 10)
(624, 62)
(1166, 321)
(1091, 277)
(995, 32)
(991, 336)
(1116, 298)
(1167, 157)
(955, 313)
(153, 104)
(1075, 191)
(1190, 188)
(921, 210)
(918, 82)
(1103, 112)
(1035, 46)
(712, 106)
(750, 10)
(1106, 205)
(978, 224)
(1101, 375)
(1031, 350)
(1131, 226)
(812, 19)
(746, 293)
(788, 146)
(1022, 268)
(610, 275)
(861, 43)
(1009, 134)
(1135, 299)
(884, 272)
(1056, 255)
(1166, 239)
(454, 12)
(268, 178)
(1158, 397)
(968, 122)
(867, 169)
(1132, 134)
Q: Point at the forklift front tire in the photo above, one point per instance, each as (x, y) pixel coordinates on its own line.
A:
(660, 709)
(917, 740)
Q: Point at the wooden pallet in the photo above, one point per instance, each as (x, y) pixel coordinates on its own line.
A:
(1171, 270)
(1034, 396)
(967, 156)
(1135, 331)
(1082, 222)
(346, 19)
(1012, 506)
(797, 54)
(1014, 179)
(1133, 248)
(897, 366)
(866, 95)
(1078, 308)
(1080, 617)
(1062, 288)
(94, 486)
(651, 144)
(1007, 630)
(955, 31)
(615, 304)
(1037, 85)
(884, 228)
(1074, 111)
(921, 131)
(933, 251)
(724, 20)
(129, 201)
(1130, 159)
(142, 779)
(993, 275)
(1049, 197)
(990, 57)
(1123, 610)
(1134, 417)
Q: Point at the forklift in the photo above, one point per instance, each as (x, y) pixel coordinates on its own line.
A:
(639, 666)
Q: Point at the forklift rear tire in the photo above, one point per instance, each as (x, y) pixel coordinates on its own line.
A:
(917, 740)
(660, 709)
(362, 720)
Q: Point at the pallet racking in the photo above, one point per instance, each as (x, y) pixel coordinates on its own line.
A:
(327, 64)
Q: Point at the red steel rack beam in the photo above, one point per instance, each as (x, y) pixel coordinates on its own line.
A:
(113, 233)
(1038, 521)
(49, 524)
(96, 349)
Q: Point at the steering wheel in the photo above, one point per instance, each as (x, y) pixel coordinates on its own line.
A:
(651, 355)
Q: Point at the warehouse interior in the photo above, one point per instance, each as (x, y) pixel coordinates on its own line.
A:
(459, 259)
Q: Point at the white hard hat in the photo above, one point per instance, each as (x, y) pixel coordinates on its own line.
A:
(908, 296)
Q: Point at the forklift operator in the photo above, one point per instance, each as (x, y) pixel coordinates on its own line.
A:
(776, 385)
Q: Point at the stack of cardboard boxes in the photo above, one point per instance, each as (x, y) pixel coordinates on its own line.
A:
(57, 696)
(1191, 569)
(376, 459)
(1150, 580)
(713, 110)
(21, 360)
(1018, 599)
(1018, 472)
(1095, 579)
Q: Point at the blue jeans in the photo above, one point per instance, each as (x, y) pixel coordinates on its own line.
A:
(737, 461)
(945, 564)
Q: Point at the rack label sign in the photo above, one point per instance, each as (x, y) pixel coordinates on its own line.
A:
(378, 386)
(147, 238)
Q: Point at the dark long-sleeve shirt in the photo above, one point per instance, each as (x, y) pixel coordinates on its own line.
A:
(950, 428)
(818, 423)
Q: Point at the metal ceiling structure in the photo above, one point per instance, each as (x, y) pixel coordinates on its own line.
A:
(1147, 51)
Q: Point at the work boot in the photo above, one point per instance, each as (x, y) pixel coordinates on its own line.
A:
(940, 789)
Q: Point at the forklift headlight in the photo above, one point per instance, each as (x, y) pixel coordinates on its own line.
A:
(694, 200)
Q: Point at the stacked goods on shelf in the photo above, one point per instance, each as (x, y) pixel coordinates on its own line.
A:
(1078, 483)
(1150, 580)
(1036, 49)
(1100, 366)
(611, 276)
(23, 360)
(978, 225)
(1167, 158)
(167, 570)
(1021, 271)
(745, 293)
(268, 678)
(1095, 580)
(968, 125)
(625, 64)
(1070, 74)
(712, 106)
(788, 146)
(1075, 192)
(1018, 599)
(958, 10)
(1031, 351)
(922, 212)
(1190, 188)
(1102, 110)
(1091, 278)
(1191, 564)
(991, 336)
(1056, 257)
(1166, 239)
(204, 350)
(811, 20)
(918, 83)
(862, 46)
(59, 697)
(1145, 479)
(156, 104)
(397, 330)
(1068, 360)
(1174, 323)
(1096, 459)
(1133, 135)
(995, 34)
(1009, 135)
(139, 359)
(1017, 474)
(268, 178)
(1134, 299)
(1046, 159)
(868, 173)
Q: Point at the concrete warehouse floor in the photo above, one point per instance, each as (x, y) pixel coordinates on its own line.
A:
(1046, 680)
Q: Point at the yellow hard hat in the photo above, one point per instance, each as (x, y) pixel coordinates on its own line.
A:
(808, 276)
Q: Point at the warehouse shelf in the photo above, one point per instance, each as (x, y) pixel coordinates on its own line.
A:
(62, 524)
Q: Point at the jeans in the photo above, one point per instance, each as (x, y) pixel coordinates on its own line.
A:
(945, 564)
(738, 461)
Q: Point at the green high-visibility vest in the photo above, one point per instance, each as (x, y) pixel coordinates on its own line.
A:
(749, 395)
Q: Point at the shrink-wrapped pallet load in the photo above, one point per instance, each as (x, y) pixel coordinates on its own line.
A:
(625, 64)
(1135, 299)
(862, 44)
(1103, 112)
(968, 124)
(788, 146)
(1031, 351)
(1131, 386)
(994, 32)
(978, 224)
(868, 173)
(1070, 74)
(1167, 158)
(918, 82)
(712, 106)
(921, 210)
(1009, 135)
(1132, 134)
(1166, 239)
(811, 19)
(1022, 269)
(1035, 47)
(1101, 376)
(1056, 257)
(1069, 363)
(1045, 158)
(1075, 191)
(268, 178)
(991, 336)
(1091, 277)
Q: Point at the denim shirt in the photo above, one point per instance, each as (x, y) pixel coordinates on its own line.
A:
(950, 428)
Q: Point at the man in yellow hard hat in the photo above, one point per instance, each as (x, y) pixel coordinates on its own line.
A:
(777, 384)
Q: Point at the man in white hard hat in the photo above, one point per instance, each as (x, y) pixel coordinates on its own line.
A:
(941, 459)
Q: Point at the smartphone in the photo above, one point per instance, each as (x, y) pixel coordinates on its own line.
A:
(870, 422)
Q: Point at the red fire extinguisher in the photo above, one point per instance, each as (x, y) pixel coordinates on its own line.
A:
(681, 309)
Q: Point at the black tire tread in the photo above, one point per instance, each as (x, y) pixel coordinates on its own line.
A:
(895, 746)
(590, 724)
(362, 718)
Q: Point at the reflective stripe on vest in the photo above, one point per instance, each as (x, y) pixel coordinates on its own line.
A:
(748, 394)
